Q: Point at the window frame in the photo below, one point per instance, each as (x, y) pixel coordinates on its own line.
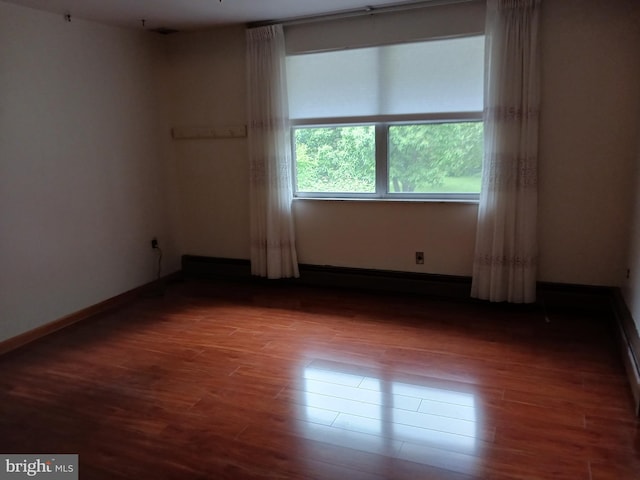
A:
(381, 124)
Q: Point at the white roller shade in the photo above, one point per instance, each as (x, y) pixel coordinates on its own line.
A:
(431, 22)
(411, 78)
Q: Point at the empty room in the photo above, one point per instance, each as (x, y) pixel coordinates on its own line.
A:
(350, 239)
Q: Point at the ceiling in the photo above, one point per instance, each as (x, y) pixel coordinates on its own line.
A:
(197, 14)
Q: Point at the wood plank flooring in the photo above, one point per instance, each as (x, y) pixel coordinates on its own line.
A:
(243, 381)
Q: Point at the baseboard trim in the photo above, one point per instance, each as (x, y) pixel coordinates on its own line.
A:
(18, 341)
(629, 344)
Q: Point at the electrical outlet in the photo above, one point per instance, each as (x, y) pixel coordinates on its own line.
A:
(154, 243)
(420, 258)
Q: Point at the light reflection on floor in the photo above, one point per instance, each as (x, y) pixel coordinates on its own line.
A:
(419, 423)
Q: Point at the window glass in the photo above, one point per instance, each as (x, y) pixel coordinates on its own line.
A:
(435, 158)
(335, 159)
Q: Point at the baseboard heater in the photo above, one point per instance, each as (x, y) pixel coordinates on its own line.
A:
(447, 286)
(629, 344)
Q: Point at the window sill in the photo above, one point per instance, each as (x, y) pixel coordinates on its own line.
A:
(389, 200)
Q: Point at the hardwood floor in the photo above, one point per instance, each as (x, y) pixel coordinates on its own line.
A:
(234, 381)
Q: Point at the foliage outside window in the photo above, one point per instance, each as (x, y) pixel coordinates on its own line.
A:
(435, 158)
(336, 159)
(428, 158)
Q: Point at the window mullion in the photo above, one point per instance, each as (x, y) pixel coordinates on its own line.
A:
(382, 148)
(294, 161)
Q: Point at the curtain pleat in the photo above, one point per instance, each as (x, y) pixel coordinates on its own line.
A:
(273, 251)
(505, 261)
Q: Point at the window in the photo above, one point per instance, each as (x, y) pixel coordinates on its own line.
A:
(339, 159)
(389, 121)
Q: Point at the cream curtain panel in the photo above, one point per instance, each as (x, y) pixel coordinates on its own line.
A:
(273, 252)
(505, 259)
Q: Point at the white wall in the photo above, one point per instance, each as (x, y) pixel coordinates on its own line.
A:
(82, 173)
(386, 235)
(589, 125)
(631, 288)
(207, 87)
(588, 128)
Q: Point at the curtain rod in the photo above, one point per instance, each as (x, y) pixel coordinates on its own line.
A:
(358, 12)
